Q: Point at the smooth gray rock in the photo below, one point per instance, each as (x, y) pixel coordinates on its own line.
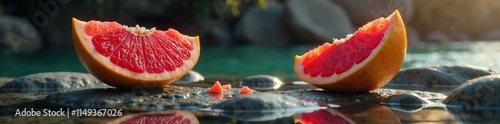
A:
(408, 102)
(190, 77)
(439, 75)
(263, 107)
(481, 92)
(364, 11)
(218, 33)
(262, 102)
(263, 25)
(52, 81)
(316, 21)
(261, 82)
(18, 35)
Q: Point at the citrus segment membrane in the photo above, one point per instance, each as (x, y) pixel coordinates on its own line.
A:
(139, 52)
(93, 28)
(345, 52)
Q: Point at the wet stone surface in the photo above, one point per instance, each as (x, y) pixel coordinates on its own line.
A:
(196, 97)
(261, 82)
(5, 80)
(263, 107)
(262, 101)
(474, 116)
(140, 98)
(20, 98)
(307, 28)
(190, 77)
(377, 95)
(52, 81)
(439, 75)
(481, 92)
(408, 102)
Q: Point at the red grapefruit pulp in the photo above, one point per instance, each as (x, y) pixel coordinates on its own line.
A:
(323, 116)
(128, 57)
(361, 62)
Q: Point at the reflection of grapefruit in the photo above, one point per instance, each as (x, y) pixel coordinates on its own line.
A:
(364, 61)
(127, 57)
(323, 116)
(163, 117)
(372, 113)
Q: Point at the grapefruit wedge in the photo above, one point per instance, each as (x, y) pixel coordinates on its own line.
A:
(361, 62)
(128, 57)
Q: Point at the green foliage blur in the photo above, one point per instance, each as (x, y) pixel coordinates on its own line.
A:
(200, 8)
(235, 3)
(1, 8)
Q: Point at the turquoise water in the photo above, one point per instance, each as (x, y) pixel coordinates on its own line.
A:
(246, 60)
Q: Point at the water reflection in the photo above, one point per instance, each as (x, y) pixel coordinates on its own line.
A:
(345, 114)
(261, 82)
(264, 117)
(368, 113)
(322, 116)
(160, 117)
(478, 115)
(349, 114)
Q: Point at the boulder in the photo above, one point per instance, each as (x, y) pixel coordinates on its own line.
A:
(451, 75)
(408, 102)
(190, 77)
(262, 25)
(482, 92)
(261, 82)
(52, 81)
(364, 11)
(55, 23)
(316, 21)
(5, 80)
(18, 35)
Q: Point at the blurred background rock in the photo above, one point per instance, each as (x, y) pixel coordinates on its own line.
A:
(26, 26)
